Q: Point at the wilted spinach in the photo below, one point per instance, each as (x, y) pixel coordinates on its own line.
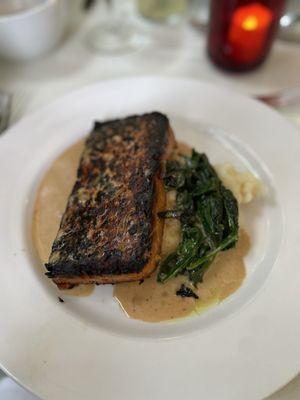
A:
(208, 213)
(185, 291)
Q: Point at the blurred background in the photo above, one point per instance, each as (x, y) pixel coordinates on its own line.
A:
(51, 47)
(66, 44)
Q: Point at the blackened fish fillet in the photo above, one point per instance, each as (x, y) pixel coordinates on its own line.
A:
(110, 231)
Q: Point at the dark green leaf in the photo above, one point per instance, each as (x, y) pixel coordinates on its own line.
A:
(185, 291)
(168, 268)
(208, 214)
(169, 214)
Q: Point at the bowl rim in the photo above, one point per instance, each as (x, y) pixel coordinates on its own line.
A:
(39, 7)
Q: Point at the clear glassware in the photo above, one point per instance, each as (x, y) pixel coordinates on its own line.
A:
(162, 10)
(115, 33)
(290, 22)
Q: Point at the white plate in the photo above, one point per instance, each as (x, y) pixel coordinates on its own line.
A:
(86, 348)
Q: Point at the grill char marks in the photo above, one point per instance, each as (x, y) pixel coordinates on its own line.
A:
(108, 230)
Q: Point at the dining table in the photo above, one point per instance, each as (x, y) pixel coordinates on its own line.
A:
(172, 50)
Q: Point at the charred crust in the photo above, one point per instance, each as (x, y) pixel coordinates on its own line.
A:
(107, 226)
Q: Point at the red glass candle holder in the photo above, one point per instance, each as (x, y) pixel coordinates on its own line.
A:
(241, 32)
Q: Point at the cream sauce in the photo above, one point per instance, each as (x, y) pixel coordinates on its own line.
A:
(50, 204)
(153, 302)
(149, 301)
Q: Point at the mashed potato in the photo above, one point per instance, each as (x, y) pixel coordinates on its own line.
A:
(244, 185)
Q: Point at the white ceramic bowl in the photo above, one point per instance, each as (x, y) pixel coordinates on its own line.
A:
(32, 32)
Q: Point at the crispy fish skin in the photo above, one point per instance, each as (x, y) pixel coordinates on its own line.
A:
(110, 231)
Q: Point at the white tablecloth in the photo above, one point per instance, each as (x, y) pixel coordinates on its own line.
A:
(173, 51)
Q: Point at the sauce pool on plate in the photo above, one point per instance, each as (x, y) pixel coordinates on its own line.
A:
(148, 301)
(153, 302)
